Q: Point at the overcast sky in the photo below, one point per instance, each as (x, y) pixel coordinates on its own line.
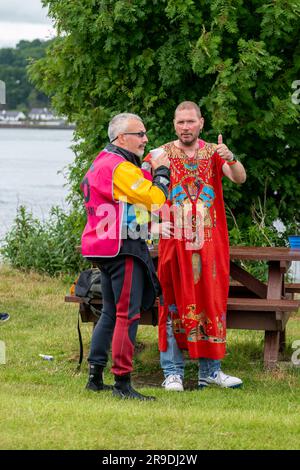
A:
(23, 19)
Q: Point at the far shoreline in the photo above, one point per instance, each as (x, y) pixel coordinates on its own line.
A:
(36, 125)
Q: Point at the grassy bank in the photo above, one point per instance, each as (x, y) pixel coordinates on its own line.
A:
(43, 404)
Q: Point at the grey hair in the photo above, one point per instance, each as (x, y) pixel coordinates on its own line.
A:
(119, 124)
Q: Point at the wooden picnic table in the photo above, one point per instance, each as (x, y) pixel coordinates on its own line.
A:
(278, 260)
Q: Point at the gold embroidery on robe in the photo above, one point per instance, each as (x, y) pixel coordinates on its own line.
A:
(197, 267)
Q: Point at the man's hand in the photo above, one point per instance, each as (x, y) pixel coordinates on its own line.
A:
(235, 172)
(163, 229)
(161, 160)
(223, 150)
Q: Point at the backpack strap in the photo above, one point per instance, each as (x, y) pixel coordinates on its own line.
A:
(95, 310)
(80, 344)
(97, 313)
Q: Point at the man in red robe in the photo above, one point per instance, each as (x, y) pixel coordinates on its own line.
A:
(194, 261)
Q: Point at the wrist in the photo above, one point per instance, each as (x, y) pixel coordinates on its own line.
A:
(154, 231)
(233, 160)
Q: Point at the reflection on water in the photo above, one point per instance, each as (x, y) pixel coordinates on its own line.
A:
(30, 160)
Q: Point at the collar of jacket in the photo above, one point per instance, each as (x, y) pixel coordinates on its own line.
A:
(129, 156)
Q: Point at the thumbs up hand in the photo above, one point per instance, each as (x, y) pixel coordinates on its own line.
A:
(223, 150)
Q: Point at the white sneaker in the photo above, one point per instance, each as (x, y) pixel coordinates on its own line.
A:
(173, 383)
(220, 379)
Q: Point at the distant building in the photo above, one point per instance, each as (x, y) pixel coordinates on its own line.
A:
(37, 118)
(42, 114)
(12, 116)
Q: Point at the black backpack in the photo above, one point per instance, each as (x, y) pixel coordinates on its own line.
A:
(88, 287)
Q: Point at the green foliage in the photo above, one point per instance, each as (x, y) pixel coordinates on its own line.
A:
(48, 247)
(261, 232)
(236, 58)
(20, 93)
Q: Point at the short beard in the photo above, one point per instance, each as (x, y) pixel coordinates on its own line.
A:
(189, 143)
(140, 153)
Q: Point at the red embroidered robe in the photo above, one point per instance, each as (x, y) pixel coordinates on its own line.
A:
(194, 272)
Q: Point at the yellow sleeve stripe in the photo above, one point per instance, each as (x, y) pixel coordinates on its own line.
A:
(137, 183)
(129, 182)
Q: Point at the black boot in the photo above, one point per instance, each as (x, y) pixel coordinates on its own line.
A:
(123, 389)
(95, 382)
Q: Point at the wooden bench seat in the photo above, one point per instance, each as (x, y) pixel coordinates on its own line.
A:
(147, 317)
(260, 314)
(292, 288)
(239, 304)
(266, 305)
(79, 300)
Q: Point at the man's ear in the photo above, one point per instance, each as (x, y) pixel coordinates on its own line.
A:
(202, 119)
(121, 140)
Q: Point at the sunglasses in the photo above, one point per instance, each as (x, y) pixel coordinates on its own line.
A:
(140, 134)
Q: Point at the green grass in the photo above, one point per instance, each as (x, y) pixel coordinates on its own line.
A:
(43, 405)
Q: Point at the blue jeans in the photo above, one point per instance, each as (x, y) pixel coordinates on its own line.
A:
(172, 360)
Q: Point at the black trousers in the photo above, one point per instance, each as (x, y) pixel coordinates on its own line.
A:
(122, 282)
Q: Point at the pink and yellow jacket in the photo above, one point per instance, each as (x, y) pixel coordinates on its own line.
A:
(111, 185)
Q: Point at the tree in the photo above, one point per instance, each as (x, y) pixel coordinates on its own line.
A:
(20, 94)
(237, 58)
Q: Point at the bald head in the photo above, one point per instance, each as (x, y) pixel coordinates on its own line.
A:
(188, 105)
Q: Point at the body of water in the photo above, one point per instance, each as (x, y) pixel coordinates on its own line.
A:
(30, 160)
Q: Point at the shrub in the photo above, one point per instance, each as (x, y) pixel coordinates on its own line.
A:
(261, 232)
(46, 247)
